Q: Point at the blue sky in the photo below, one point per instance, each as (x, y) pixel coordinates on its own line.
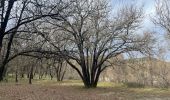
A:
(149, 9)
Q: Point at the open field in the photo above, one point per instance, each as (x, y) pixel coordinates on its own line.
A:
(73, 90)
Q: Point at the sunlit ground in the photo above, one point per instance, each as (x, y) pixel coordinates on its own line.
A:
(73, 90)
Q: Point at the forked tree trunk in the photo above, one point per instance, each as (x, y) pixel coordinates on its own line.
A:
(2, 31)
(3, 26)
(60, 72)
(89, 75)
(90, 81)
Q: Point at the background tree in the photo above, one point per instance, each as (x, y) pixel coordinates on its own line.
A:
(162, 17)
(14, 14)
(60, 68)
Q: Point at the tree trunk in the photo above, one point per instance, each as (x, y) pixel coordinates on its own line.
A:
(31, 75)
(91, 81)
(41, 75)
(22, 75)
(51, 75)
(0, 51)
(16, 76)
(22, 72)
(1, 40)
(3, 25)
(28, 75)
(89, 74)
(5, 61)
(60, 72)
(1, 72)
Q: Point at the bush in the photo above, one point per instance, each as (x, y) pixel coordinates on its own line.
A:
(134, 85)
(70, 78)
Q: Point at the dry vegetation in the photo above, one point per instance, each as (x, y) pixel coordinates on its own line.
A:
(73, 90)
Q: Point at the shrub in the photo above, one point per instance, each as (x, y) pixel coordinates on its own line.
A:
(134, 85)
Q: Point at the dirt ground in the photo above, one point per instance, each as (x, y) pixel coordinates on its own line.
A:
(67, 92)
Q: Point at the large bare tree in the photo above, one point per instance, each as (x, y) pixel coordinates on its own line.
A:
(92, 36)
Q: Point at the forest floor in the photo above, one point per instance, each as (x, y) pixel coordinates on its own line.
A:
(73, 90)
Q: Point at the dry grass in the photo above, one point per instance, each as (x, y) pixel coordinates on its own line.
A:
(73, 90)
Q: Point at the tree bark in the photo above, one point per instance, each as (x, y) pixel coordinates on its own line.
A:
(1, 72)
(0, 46)
(5, 61)
(1, 65)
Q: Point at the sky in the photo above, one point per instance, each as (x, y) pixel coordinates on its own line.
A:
(149, 9)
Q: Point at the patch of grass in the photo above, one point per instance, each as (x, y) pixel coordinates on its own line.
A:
(62, 83)
(105, 84)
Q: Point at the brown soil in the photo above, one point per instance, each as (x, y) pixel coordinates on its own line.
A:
(58, 92)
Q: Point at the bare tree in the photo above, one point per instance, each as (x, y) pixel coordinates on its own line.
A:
(163, 72)
(162, 20)
(60, 68)
(162, 17)
(92, 36)
(14, 14)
